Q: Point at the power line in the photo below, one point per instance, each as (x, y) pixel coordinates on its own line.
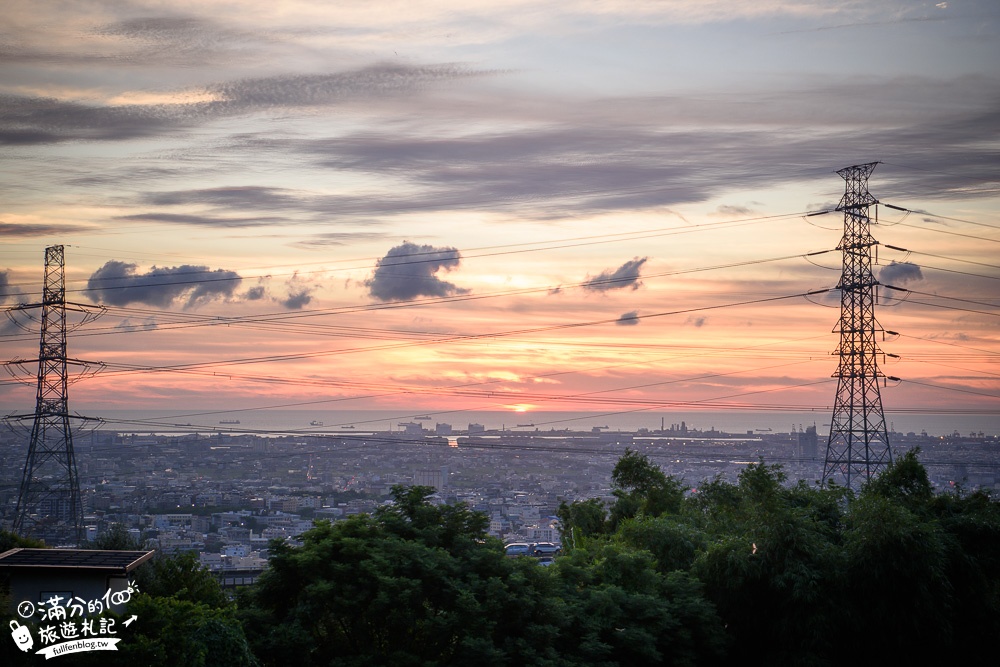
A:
(433, 256)
(950, 233)
(956, 389)
(186, 320)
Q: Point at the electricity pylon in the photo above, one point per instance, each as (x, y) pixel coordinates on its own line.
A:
(49, 505)
(858, 446)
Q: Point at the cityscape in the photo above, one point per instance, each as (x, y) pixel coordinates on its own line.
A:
(225, 496)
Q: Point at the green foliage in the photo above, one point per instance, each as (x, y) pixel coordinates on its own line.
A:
(672, 541)
(116, 538)
(896, 568)
(905, 480)
(169, 631)
(421, 584)
(971, 523)
(180, 577)
(414, 584)
(9, 540)
(580, 519)
(640, 487)
(803, 574)
(622, 611)
(754, 572)
(772, 567)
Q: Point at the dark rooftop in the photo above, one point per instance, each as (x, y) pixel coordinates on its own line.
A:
(91, 559)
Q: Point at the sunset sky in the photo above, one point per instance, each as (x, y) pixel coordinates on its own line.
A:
(498, 205)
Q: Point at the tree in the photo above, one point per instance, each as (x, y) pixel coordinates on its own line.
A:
(640, 487)
(754, 572)
(180, 577)
(9, 540)
(905, 480)
(116, 538)
(896, 579)
(414, 584)
(579, 520)
(673, 541)
(170, 631)
(971, 522)
(620, 611)
(771, 565)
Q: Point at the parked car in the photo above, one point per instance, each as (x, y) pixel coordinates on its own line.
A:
(545, 549)
(517, 549)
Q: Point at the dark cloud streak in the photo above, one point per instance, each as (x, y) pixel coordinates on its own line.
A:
(9, 230)
(37, 120)
(625, 276)
(562, 165)
(202, 221)
(628, 319)
(381, 80)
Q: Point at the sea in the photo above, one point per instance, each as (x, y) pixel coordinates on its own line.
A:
(282, 422)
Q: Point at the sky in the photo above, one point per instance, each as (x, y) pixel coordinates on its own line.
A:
(500, 205)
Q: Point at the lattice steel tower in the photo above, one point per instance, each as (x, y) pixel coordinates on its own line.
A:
(858, 446)
(49, 505)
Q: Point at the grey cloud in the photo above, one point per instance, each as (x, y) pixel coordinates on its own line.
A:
(254, 197)
(734, 210)
(155, 41)
(900, 273)
(829, 298)
(134, 175)
(570, 165)
(28, 120)
(157, 28)
(5, 288)
(9, 293)
(580, 168)
(36, 120)
(173, 40)
(127, 325)
(828, 205)
(11, 230)
(628, 319)
(119, 284)
(588, 167)
(255, 293)
(162, 40)
(337, 239)
(409, 270)
(297, 300)
(542, 173)
(323, 89)
(626, 275)
(299, 294)
(697, 322)
(202, 220)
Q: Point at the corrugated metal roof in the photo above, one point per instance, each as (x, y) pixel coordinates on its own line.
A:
(92, 559)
